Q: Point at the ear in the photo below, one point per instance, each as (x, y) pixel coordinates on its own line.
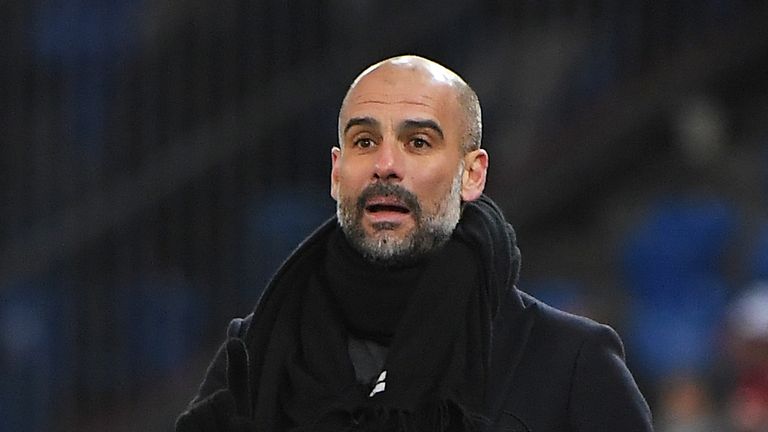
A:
(475, 171)
(335, 154)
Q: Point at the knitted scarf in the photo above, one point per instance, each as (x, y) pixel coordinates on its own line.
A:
(435, 316)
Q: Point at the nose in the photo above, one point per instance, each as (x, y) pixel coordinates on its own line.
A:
(388, 163)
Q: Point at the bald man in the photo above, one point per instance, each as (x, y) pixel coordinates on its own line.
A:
(401, 312)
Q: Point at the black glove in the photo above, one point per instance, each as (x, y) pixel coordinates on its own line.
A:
(228, 409)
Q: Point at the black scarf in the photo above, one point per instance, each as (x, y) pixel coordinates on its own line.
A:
(435, 316)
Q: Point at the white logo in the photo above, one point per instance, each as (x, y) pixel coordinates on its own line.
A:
(380, 384)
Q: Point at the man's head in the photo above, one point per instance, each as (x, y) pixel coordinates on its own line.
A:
(409, 153)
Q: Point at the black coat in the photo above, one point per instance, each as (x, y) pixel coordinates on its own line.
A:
(550, 371)
(553, 371)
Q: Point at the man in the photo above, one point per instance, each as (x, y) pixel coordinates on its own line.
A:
(402, 313)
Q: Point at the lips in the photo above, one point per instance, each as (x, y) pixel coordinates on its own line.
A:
(388, 206)
(380, 204)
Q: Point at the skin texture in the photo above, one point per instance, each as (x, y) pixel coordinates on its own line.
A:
(401, 169)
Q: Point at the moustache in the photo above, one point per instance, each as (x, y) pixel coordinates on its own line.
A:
(403, 195)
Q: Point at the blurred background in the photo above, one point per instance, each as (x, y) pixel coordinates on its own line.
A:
(159, 159)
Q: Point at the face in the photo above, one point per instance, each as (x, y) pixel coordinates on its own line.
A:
(399, 174)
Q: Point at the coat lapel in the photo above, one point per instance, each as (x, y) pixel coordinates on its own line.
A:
(510, 336)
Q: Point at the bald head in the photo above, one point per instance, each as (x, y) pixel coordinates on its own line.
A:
(430, 73)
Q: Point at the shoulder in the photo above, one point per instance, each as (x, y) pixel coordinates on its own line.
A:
(573, 368)
(566, 329)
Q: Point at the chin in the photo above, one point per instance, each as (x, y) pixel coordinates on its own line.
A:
(386, 246)
(384, 237)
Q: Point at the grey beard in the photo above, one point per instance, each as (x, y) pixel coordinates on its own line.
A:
(430, 231)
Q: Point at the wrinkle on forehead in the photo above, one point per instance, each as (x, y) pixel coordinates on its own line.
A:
(386, 99)
(425, 106)
(381, 102)
(362, 96)
(392, 94)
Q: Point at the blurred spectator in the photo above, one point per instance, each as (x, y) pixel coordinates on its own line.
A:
(748, 405)
(677, 291)
(748, 349)
(686, 404)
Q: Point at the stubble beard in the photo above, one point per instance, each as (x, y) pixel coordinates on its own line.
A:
(385, 247)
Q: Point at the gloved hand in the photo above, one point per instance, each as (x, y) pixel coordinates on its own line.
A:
(228, 409)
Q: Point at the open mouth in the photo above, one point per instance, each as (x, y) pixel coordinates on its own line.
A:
(376, 208)
(386, 204)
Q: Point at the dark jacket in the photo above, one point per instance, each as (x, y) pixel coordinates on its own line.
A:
(553, 371)
(550, 371)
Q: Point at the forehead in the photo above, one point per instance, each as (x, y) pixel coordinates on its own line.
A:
(404, 93)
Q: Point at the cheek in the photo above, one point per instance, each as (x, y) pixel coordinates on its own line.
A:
(348, 181)
(435, 185)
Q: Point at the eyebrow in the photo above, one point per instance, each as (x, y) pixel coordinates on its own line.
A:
(405, 125)
(361, 121)
(421, 124)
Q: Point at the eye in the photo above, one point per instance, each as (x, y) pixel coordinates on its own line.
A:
(363, 143)
(420, 143)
